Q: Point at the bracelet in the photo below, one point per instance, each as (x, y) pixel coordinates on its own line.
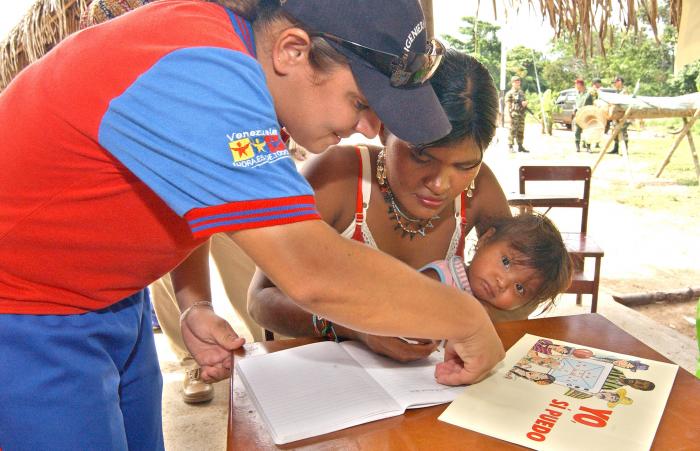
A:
(324, 328)
(198, 304)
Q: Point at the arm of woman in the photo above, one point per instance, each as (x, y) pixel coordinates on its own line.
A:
(333, 177)
(209, 338)
(371, 292)
(330, 176)
(276, 311)
(490, 201)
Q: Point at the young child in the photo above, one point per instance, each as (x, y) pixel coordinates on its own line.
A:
(519, 263)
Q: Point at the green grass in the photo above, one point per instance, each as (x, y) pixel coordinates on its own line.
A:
(633, 183)
(676, 191)
(670, 124)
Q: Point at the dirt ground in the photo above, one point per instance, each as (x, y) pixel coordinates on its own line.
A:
(645, 251)
(679, 316)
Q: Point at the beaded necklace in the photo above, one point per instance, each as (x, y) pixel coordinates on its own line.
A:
(409, 226)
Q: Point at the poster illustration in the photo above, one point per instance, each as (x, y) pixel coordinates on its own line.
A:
(551, 395)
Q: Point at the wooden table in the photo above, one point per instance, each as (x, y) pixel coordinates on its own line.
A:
(420, 430)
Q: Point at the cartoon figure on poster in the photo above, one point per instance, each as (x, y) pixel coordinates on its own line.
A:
(585, 374)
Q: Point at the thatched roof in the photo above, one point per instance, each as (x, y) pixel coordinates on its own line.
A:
(49, 21)
(588, 20)
(43, 26)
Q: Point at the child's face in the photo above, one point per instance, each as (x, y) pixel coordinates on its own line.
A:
(495, 279)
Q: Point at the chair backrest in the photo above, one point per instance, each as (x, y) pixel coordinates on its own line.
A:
(562, 173)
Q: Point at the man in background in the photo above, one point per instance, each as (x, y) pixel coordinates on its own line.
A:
(517, 105)
(583, 98)
(619, 84)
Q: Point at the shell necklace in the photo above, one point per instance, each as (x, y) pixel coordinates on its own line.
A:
(409, 226)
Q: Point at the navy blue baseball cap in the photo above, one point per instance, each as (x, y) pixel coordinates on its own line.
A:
(386, 45)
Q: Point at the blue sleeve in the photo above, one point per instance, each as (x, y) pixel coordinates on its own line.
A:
(199, 128)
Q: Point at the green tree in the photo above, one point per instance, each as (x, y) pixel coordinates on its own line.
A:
(634, 56)
(686, 81)
(520, 62)
(560, 74)
(479, 39)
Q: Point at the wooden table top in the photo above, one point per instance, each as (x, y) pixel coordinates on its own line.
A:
(581, 244)
(419, 429)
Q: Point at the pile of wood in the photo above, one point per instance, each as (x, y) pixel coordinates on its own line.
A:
(630, 300)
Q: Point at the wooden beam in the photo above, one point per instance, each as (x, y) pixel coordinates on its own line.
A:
(679, 138)
(616, 131)
(650, 113)
(694, 154)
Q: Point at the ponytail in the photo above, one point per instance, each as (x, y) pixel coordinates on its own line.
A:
(248, 9)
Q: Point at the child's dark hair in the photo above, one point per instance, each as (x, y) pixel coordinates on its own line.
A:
(540, 244)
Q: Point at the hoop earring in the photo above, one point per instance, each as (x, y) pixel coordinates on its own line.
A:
(381, 168)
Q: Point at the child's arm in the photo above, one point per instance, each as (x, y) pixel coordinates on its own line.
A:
(453, 272)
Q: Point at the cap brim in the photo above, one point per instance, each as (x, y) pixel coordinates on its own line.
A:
(412, 114)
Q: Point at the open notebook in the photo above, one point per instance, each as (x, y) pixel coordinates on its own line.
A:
(323, 387)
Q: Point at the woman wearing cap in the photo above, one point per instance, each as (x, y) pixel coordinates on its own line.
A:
(131, 142)
(417, 203)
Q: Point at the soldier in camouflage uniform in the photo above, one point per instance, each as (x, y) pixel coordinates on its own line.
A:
(516, 104)
(583, 98)
(620, 88)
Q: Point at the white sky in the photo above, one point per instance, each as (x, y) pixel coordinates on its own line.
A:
(11, 11)
(526, 29)
(523, 28)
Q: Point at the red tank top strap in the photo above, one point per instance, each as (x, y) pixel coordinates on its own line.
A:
(463, 224)
(359, 210)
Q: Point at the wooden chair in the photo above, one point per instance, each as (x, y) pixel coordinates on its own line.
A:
(579, 244)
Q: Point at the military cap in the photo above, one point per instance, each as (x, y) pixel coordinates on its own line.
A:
(514, 78)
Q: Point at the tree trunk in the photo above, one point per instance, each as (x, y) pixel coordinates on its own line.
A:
(689, 294)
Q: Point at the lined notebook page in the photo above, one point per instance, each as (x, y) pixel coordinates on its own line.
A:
(312, 390)
(411, 384)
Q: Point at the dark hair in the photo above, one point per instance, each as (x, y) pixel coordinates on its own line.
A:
(645, 384)
(264, 13)
(539, 241)
(468, 95)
